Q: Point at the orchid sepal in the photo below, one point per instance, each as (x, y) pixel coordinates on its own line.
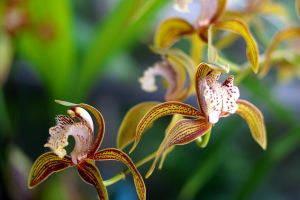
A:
(184, 131)
(115, 154)
(45, 165)
(255, 121)
(163, 109)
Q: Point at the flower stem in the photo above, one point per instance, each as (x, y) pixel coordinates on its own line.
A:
(122, 174)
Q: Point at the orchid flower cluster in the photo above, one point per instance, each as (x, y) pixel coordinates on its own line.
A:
(184, 77)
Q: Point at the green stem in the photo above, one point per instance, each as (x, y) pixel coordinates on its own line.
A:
(5, 123)
(122, 174)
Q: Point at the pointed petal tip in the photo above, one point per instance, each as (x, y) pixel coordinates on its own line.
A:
(65, 103)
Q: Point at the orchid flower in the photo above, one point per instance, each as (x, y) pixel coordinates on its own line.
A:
(215, 100)
(176, 68)
(80, 125)
(173, 29)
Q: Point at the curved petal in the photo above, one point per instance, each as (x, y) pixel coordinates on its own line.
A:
(91, 175)
(100, 123)
(185, 131)
(170, 31)
(255, 121)
(173, 122)
(163, 109)
(115, 154)
(202, 70)
(128, 126)
(286, 34)
(45, 165)
(180, 65)
(241, 29)
(211, 11)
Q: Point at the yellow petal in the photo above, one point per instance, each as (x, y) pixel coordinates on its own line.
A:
(220, 11)
(115, 154)
(241, 29)
(174, 121)
(255, 121)
(281, 36)
(170, 31)
(128, 126)
(184, 132)
(91, 175)
(163, 109)
(45, 165)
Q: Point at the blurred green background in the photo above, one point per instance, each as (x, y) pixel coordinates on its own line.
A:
(94, 51)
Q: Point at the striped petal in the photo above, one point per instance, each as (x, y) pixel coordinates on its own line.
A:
(45, 165)
(91, 175)
(281, 36)
(128, 126)
(255, 121)
(170, 31)
(163, 109)
(185, 131)
(115, 154)
(100, 123)
(241, 29)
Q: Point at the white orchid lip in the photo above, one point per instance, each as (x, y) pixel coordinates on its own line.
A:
(219, 99)
(81, 130)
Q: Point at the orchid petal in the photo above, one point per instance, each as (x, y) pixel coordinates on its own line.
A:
(91, 175)
(181, 64)
(281, 36)
(255, 121)
(100, 121)
(115, 154)
(220, 10)
(163, 109)
(170, 31)
(185, 131)
(173, 122)
(241, 29)
(182, 5)
(45, 165)
(128, 126)
(208, 10)
(202, 70)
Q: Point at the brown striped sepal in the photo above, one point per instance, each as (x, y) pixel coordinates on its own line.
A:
(255, 121)
(163, 109)
(115, 154)
(91, 175)
(45, 165)
(185, 131)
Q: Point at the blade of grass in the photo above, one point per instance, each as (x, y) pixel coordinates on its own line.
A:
(117, 32)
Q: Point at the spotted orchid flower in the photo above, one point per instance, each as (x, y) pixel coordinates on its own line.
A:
(215, 100)
(80, 125)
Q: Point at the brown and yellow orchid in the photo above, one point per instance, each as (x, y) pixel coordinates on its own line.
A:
(177, 70)
(80, 125)
(173, 29)
(215, 100)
